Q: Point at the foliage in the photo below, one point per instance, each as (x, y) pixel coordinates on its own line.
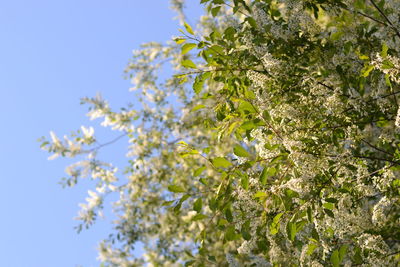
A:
(276, 142)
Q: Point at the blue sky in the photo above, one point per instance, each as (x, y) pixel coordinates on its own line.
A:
(53, 52)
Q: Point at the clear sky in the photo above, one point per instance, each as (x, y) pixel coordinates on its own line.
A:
(52, 53)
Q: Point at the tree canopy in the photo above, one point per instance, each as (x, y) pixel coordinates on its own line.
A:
(274, 143)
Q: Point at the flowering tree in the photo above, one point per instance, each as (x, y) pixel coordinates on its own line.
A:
(276, 142)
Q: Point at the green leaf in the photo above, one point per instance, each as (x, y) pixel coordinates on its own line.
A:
(167, 203)
(221, 162)
(184, 197)
(252, 22)
(245, 231)
(329, 213)
(198, 217)
(300, 225)
(198, 171)
(335, 258)
(366, 70)
(176, 189)
(222, 222)
(240, 151)
(198, 83)
(331, 200)
(248, 125)
(198, 107)
(309, 215)
(260, 194)
(215, 10)
(363, 57)
(179, 205)
(263, 176)
(207, 150)
(228, 215)
(342, 252)
(246, 107)
(245, 181)
(358, 259)
(336, 35)
(384, 50)
(230, 233)
(229, 33)
(291, 230)
(277, 217)
(311, 247)
(189, 263)
(267, 172)
(274, 227)
(347, 47)
(182, 143)
(44, 144)
(203, 181)
(188, 64)
(181, 76)
(329, 206)
(216, 49)
(197, 205)
(212, 258)
(359, 4)
(386, 64)
(188, 28)
(187, 47)
(179, 40)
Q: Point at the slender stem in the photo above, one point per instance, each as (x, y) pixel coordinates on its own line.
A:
(241, 12)
(393, 253)
(342, 125)
(374, 99)
(211, 70)
(385, 17)
(332, 89)
(376, 158)
(108, 143)
(372, 18)
(376, 148)
(355, 156)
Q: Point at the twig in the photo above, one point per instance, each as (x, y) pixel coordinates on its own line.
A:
(385, 17)
(376, 148)
(372, 18)
(108, 143)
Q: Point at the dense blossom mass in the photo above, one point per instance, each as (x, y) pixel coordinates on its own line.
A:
(275, 143)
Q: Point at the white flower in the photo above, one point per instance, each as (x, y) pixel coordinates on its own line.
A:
(54, 138)
(54, 156)
(381, 210)
(397, 122)
(87, 132)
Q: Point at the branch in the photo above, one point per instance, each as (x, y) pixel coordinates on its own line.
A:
(354, 156)
(241, 12)
(373, 99)
(342, 125)
(385, 17)
(372, 18)
(376, 148)
(108, 143)
(376, 158)
(211, 70)
(393, 253)
(332, 89)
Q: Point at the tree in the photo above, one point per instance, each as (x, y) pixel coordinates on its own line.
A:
(276, 142)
